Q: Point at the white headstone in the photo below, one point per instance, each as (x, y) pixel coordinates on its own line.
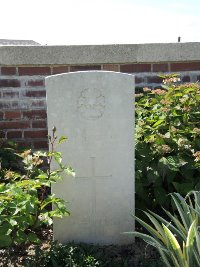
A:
(95, 110)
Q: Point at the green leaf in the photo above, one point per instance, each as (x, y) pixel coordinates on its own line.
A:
(42, 176)
(69, 171)
(140, 190)
(158, 123)
(58, 157)
(48, 200)
(20, 238)
(60, 208)
(188, 172)
(190, 242)
(183, 188)
(157, 226)
(177, 94)
(179, 230)
(175, 245)
(197, 240)
(153, 176)
(160, 195)
(32, 237)
(5, 240)
(146, 238)
(25, 182)
(188, 90)
(2, 188)
(173, 162)
(183, 209)
(5, 228)
(13, 222)
(164, 257)
(62, 139)
(150, 229)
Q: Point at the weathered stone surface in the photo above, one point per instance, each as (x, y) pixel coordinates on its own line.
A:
(95, 110)
(99, 54)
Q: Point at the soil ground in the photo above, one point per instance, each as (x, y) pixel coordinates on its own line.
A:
(136, 253)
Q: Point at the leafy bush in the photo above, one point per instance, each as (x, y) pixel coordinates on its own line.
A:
(9, 159)
(24, 202)
(167, 142)
(178, 238)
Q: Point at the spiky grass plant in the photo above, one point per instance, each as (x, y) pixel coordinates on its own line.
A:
(178, 237)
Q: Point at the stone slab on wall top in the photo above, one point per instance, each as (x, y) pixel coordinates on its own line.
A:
(95, 110)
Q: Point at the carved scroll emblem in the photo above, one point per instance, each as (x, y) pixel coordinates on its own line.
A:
(91, 103)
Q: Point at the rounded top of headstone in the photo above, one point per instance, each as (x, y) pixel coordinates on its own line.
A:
(91, 72)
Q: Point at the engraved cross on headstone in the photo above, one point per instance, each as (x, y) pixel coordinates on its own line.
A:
(93, 176)
(93, 173)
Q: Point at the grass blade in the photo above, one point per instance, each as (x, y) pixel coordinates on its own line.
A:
(175, 246)
(182, 231)
(182, 212)
(190, 242)
(150, 229)
(157, 226)
(169, 224)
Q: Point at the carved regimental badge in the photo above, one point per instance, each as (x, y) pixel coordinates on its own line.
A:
(91, 103)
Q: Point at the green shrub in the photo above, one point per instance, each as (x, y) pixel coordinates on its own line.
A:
(178, 238)
(24, 201)
(167, 142)
(9, 159)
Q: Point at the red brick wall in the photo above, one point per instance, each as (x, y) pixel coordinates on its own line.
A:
(23, 98)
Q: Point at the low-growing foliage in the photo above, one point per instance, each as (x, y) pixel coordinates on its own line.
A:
(167, 142)
(24, 202)
(62, 256)
(178, 237)
(9, 159)
(87, 255)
